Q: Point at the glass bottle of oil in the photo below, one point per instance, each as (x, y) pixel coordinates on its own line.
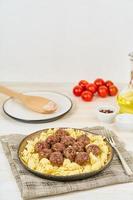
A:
(125, 97)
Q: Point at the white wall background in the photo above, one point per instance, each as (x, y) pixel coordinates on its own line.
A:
(65, 40)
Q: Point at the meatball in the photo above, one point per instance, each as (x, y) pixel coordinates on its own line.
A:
(56, 158)
(93, 148)
(45, 145)
(41, 145)
(58, 147)
(78, 146)
(83, 139)
(70, 153)
(38, 147)
(51, 140)
(60, 133)
(45, 153)
(67, 140)
(81, 158)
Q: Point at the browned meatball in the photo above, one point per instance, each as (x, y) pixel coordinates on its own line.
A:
(70, 153)
(58, 147)
(60, 133)
(93, 148)
(51, 140)
(45, 145)
(83, 139)
(78, 146)
(67, 140)
(45, 153)
(81, 158)
(56, 158)
(38, 146)
(41, 145)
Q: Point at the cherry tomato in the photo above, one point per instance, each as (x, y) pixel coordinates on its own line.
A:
(83, 84)
(87, 95)
(91, 87)
(99, 82)
(109, 83)
(77, 90)
(113, 90)
(103, 91)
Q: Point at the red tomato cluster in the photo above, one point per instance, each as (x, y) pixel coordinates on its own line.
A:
(87, 90)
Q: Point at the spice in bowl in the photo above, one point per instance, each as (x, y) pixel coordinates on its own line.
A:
(106, 113)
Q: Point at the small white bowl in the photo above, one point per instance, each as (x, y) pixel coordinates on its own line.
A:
(106, 117)
(124, 122)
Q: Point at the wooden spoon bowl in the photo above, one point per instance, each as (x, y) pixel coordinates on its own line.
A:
(35, 103)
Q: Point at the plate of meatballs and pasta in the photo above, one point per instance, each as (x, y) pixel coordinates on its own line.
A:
(65, 154)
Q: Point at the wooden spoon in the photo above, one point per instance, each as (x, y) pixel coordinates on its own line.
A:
(35, 103)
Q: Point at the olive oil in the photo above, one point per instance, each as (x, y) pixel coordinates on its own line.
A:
(125, 98)
(125, 101)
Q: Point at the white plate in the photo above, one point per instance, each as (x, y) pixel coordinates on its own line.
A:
(16, 110)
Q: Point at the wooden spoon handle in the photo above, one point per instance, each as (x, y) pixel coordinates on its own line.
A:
(10, 92)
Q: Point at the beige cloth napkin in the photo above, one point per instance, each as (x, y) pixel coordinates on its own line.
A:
(32, 186)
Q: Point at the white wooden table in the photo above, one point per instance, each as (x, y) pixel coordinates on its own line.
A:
(81, 115)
